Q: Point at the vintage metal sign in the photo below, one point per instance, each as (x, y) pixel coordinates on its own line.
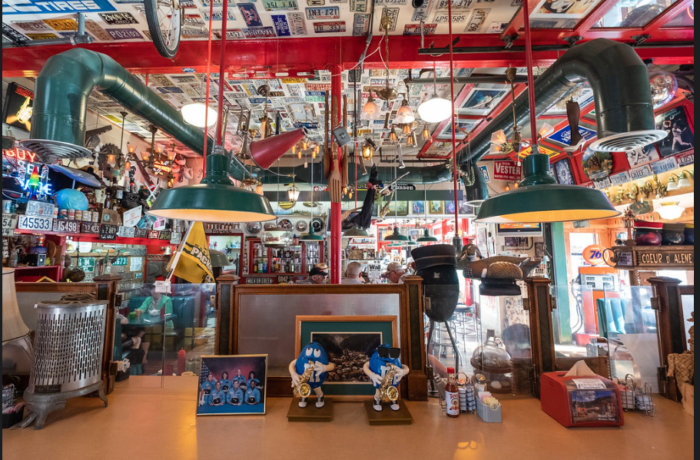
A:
(35, 223)
(670, 258)
(297, 25)
(124, 34)
(640, 172)
(40, 7)
(281, 25)
(506, 170)
(108, 231)
(360, 24)
(621, 178)
(117, 19)
(668, 164)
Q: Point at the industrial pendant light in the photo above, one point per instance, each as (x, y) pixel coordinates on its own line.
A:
(427, 238)
(194, 115)
(356, 231)
(435, 109)
(215, 199)
(370, 109)
(539, 199)
(396, 235)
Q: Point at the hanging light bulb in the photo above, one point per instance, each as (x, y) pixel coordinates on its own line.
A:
(127, 165)
(144, 156)
(193, 114)
(435, 109)
(350, 194)
(345, 190)
(426, 132)
(516, 185)
(405, 113)
(407, 129)
(545, 130)
(392, 136)
(317, 149)
(313, 154)
(508, 187)
(110, 158)
(293, 193)
(370, 109)
(132, 149)
(259, 189)
(294, 150)
(368, 149)
(499, 137)
(304, 144)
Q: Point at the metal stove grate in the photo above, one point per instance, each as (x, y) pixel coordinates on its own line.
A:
(628, 141)
(50, 151)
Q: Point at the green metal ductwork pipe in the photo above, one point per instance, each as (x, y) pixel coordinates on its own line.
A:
(62, 90)
(622, 96)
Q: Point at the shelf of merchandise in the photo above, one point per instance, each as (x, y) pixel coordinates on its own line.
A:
(306, 261)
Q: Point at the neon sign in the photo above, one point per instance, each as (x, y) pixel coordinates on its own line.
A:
(19, 154)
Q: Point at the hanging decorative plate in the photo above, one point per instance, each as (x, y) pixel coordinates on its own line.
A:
(301, 226)
(253, 228)
(317, 224)
(597, 165)
(286, 204)
(285, 224)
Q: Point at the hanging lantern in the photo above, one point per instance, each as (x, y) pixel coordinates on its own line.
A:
(368, 149)
(304, 144)
(293, 193)
(127, 165)
(405, 113)
(407, 129)
(392, 136)
(426, 132)
(132, 149)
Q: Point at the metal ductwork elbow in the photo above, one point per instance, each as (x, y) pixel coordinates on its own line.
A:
(622, 96)
(60, 103)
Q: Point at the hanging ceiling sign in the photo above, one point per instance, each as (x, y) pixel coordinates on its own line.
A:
(38, 7)
(402, 187)
(506, 170)
(563, 136)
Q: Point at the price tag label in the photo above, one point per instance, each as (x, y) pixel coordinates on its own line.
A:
(593, 254)
(66, 226)
(44, 224)
(108, 231)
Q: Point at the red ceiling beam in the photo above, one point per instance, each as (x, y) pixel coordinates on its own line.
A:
(466, 89)
(518, 20)
(669, 13)
(295, 55)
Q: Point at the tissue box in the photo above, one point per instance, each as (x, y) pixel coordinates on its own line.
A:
(581, 400)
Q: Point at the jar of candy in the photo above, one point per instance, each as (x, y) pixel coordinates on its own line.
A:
(647, 233)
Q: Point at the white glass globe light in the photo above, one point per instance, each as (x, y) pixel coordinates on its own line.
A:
(435, 110)
(193, 114)
(670, 211)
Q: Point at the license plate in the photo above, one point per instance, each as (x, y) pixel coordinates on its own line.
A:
(360, 24)
(358, 6)
(393, 15)
(328, 12)
(90, 227)
(66, 226)
(277, 5)
(329, 27)
(414, 29)
(9, 221)
(35, 223)
(259, 32)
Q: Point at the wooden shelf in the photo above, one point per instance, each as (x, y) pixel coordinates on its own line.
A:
(46, 267)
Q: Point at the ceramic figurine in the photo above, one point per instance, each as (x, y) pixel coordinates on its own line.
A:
(385, 371)
(308, 372)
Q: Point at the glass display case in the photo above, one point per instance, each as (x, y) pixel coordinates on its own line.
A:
(292, 259)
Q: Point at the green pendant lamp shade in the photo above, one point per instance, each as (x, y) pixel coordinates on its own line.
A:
(426, 238)
(356, 231)
(396, 236)
(215, 199)
(311, 236)
(540, 199)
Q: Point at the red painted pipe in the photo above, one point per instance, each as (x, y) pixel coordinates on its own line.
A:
(222, 71)
(454, 142)
(530, 77)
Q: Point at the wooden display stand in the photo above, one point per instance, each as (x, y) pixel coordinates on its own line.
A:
(310, 413)
(388, 416)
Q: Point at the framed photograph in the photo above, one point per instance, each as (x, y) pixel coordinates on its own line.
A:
(642, 155)
(399, 208)
(539, 250)
(232, 385)
(436, 207)
(511, 242)
(481, 101)
(481, 239)
(449, 207)
(680, 133)
(349, 341)
(418, 207)
(562, 169)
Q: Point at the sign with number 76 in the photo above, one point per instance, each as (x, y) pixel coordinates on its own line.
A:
(593, 254)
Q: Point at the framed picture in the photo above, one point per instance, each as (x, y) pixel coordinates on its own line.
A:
(562, 169)
(436, 207)
(415, 233)
(539, 250)
(680, 133)
(511, 242)
(449, 207)
(399, 208)
(481, 239)
(642, 155)
(232, 385)
(481, 100)
(418, 207)
(349, 341)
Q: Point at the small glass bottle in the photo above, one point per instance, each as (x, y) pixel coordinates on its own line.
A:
(255, 266)
(451, 394)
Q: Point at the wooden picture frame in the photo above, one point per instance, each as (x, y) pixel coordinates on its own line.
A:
(326, 330)
(217, 365)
